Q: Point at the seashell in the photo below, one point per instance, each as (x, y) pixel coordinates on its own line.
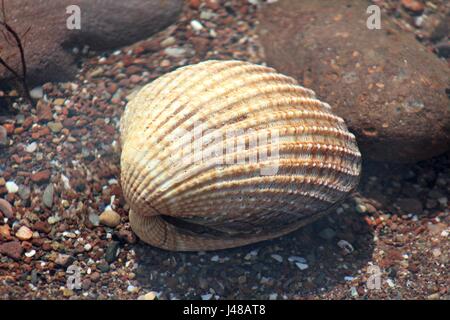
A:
(227, 153)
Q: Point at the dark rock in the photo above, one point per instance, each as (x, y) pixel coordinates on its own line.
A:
(390, 90)
(111, 251)
(104, 25)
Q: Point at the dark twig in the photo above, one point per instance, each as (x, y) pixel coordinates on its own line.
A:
(22, 78)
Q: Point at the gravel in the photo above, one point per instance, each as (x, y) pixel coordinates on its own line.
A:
(401, 236)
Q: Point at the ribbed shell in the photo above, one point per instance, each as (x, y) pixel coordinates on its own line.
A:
(205, 205)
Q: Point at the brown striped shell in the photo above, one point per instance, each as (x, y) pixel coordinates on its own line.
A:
(180, 200)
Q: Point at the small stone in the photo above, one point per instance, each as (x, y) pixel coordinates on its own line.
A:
(6, 208)
(152, 295)
(31, 147)
(273, 296)
(112, 251)
(37, 93)
(296, 259)
(41, 176)
(434, 296)
(346, 246)
(64, 260)
(360, 208)
(132, 289)
(5, 232)
(11, 186)
(59, 102)
(53, 219)
(67, 292)
(55, 127)
(3, 136)
(301, 266)
(24, 192)
(47, 197)
(413, 5)
(11, 249)
(215, 258)
(103, 267)
(206, 296)
(327, 234)
(175, 52)
(94, 219)
(44, 111)
(277, 257)
(42, 226)
(194, 4)
(242, 279)
(196, 25)
(353, 292)
(170, 41)
(30, 253)
(24, 233)
(212, 4)
(110, 218)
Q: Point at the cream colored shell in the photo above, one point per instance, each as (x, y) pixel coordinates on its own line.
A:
(207, 204)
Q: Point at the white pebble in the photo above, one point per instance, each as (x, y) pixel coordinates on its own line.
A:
(196, 25)
(301, 266)
(297, 259)
(31, 147)
(207, 296)
(31, 253)
(277, 257)
(12, 187)
(215, 259)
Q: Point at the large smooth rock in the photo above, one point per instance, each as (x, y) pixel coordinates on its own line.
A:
(105, 24)
(390, 90)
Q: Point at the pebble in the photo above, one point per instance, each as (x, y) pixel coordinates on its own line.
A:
(55, 127)
(152, 295)
(53, 219)
(110, 218)
(361, 208)
(301, 266)
(273, 296)
(31, 147)
(11, 186)
(296, 259)
(3, 136)
(5, 232)
(41, 176)
(196, 25)
(175, 52)
(94, 219)
(277, 257)
(112, 251)
(24, 233)
(47, 197)
(6, 208)
(30, 253)
(413, 5)
(24, 192)
(37, 93)
(63, 260)
(207, 296)
(346, 246)
(132, 289)
(327, 234)
(170, 41)
(12, 249)
(215, 258)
